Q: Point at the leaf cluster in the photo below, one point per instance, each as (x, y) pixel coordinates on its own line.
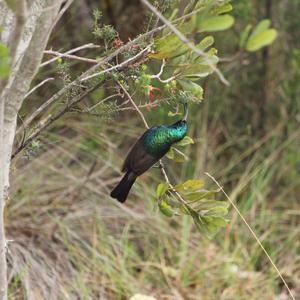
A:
(191, 198)
(253, 39)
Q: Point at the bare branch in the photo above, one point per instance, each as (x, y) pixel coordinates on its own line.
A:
(134, 105)
(185, 40)
(62, 11)
(163, 64)
(37, 86)
(58, 54)
(118, 66)
(87, 46)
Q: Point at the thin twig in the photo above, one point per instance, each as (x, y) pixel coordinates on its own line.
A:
(87, 46)
(163, 64)
(70, 56)
(102, 101)
(62, 11)
(185, 40)
(134, 105)
(37, 86)
(157, 76)
(253, 234)
(118, 66)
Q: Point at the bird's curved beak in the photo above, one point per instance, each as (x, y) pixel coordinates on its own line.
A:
(186, 111)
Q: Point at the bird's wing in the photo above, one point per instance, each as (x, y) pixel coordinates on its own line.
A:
(138, 160)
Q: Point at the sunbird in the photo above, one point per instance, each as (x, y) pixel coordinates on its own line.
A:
(147, 151)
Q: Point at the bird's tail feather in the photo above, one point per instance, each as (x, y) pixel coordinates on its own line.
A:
(120, 192)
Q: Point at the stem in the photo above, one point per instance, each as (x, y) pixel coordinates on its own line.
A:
(253, 234)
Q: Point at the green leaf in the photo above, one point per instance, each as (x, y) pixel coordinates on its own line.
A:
(245, 35)
(185, 141)
(193, 87)
(161, 189)
(205, 43)
(176, 155)
(208, 204)
(261, 40)
(227, 7)
(199, 195)
(4, 61)
(215, 23)
(261, 27)
(168, 47)
(179, 156)
(190, 185)
(170, 154)
(165, 208)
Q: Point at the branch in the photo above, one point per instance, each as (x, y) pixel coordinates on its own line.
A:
(134, 105)
(58, 54)
(87, 46)
(118, 66)
(185, 40)
(37, 86)
(62, 11)
(46, 122)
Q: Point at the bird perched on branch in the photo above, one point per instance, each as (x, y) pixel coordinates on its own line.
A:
(147, 151)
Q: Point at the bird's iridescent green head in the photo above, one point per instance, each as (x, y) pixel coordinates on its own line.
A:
(178, 131)
(158, 140)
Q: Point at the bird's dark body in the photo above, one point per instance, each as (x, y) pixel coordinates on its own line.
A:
(147, 151)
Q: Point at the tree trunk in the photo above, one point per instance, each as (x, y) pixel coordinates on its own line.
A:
(25, 32)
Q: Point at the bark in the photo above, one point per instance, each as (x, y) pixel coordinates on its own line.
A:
(25, 32)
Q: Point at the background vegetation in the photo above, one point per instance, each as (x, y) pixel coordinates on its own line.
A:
(72, 241)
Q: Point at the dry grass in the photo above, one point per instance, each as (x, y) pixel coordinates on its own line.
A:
(71, 241)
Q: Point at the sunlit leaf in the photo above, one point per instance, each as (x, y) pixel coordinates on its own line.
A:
(227, 7)
(168, 47)
(179, 156)
(215, 23)
(170, 154)
(165, 208)
(261, 40)
(199, 195)
(245, 35)
(193, 87)
(261, 27)
(191, 184)
(161, 189)
(205, 43)
(187, 140)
